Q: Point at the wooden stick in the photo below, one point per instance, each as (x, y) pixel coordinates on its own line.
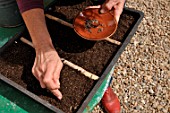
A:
(83, 71)
(68, 63)
(71, 26)
(113, 41)
(26, 41)
(59, 20)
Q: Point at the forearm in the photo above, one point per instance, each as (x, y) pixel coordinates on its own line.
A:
(47, 64)
(33, 16)
(35, 22)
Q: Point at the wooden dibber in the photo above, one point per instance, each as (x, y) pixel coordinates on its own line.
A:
(78, 68)
(68, 63)
(59, 20)
(71, 26)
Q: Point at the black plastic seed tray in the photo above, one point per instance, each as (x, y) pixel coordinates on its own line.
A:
(138, 15)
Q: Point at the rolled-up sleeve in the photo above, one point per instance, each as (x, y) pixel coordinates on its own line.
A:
(25, 5)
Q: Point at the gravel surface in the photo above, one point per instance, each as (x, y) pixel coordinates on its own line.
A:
(142, 73)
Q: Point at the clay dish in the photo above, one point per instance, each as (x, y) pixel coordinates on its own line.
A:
(92, 25)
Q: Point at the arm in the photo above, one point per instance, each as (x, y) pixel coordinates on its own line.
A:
(47, 64)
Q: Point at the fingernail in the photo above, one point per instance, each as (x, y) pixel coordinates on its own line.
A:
(42, 85)
(58, 82)
(59, 97)
(102, 11)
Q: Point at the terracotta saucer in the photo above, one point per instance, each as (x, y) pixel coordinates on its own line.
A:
(92, 25)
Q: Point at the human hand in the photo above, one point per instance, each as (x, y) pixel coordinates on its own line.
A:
(116, 4)
(46, 69)
(47, 64)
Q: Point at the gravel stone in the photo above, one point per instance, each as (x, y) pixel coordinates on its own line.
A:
(142, 73)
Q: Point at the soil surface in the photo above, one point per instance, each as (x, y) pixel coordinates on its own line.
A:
(17, 60)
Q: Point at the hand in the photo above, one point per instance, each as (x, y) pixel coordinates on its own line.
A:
(116, 4)
(46, 69)
(47, 64)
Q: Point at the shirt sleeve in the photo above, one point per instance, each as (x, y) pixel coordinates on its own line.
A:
(25, 5)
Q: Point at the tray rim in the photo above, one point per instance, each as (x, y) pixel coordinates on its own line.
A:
(114, 59)
(30, 94)
(99, 82)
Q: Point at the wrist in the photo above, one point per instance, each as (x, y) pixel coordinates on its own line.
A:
(43, 45)
(44, 48)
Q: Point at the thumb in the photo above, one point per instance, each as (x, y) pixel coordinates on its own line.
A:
(117, 13)
(105, 9)
(107, 6)
(118, 9)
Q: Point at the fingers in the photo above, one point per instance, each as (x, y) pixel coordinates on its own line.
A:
(52, 83)
(38, 74)
(57, 93)
(118, 9)
(50, 76)
(116, 4)
(107, 6)
(57, 71)
(47, 69)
